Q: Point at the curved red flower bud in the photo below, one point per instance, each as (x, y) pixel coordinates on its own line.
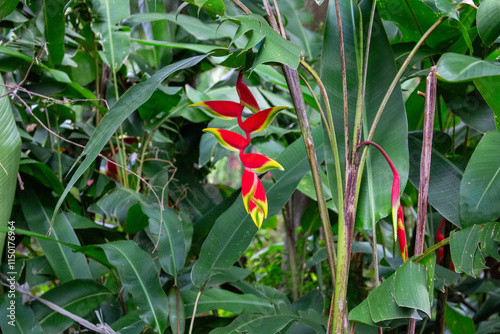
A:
(439, 238)
(229, 139)
(257, 214)
(403, 247)
(258, 163)
(246, 97)
(221, 109)
(261, 120)
(395, 200)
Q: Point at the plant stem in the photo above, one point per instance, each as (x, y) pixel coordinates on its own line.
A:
(431, 249)
(191, 325)
(292, 80)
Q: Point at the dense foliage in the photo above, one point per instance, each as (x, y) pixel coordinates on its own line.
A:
(120, 214)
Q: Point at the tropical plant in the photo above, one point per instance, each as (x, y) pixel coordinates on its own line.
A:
(208, 166)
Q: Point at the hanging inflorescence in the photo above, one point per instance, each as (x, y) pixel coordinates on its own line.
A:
(253, 193)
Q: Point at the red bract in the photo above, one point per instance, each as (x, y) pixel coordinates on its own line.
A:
(221, 109)
(260, 120)
(258, 163)
(230, 140)
(439, 238)
(252, 190)
(395, 200)
(402, 235)
(246, 97)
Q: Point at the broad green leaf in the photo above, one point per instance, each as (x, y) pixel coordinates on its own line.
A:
(214, 6)
(129, 324)
(192, 25)
(415, 17)
(464, 249)
(375, 192)
(458, 323)
(234, 229)
(6, 7)
(444, 180)
(383, 305)
(124, 107)
(78, 297)
(10, 154)
(139, 277)
(411, 288)
(254, 324)
(171, 246)
(455, 67)
(115, 43)
(489, 87)
(490, 238)
(176, 311)
(116, 204)
(21, 320)
(274, 48)
(361, 314)
(67, 264)
(488, 24)
(53, 16)
(480, 188)
(218, 299)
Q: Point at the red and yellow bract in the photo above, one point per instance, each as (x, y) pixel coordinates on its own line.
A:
(252, 190)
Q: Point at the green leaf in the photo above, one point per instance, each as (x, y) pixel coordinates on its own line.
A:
(115, 43)
(21, 321)
(67, 264)
(375, 192)
(274, 48)
(7, 7)
(488, 24)
(234, 230)
(78, 297)
(54, 32)
(218, 299)
(171, 247)
(177, 311)
(202, 48)
(480, 188)
(214, 6)
(444, 180)
(10, 154)
(411, 287)
(455, 67)
(464, 249)
(140, 278)
(489, 87)
(458, 323)
(124, 107)
(489, 239)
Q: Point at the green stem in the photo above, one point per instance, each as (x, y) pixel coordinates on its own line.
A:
(191, 325)
(431, 249)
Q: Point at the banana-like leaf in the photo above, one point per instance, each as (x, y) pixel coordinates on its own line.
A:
(124, 107)
(6, 7)
(177, 313)
(115, 43)
(391, 134)
(53, 16)
(67, 264)
(10, 154)
(480, 187)
(140, 278)
(234, 229)
(214, 6)
(218, 299)
(22, 321)
(78, 297)
(488, 25)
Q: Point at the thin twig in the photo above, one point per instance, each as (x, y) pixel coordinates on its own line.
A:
(242, 6)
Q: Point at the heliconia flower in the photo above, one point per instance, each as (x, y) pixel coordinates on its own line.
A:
(257, 214)
(261, 120)
(248, 187)
(258, 163)
(439, 238)
(221, 109)
(403, 247)
(229, 139)
(395, 200)
(246, 97)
